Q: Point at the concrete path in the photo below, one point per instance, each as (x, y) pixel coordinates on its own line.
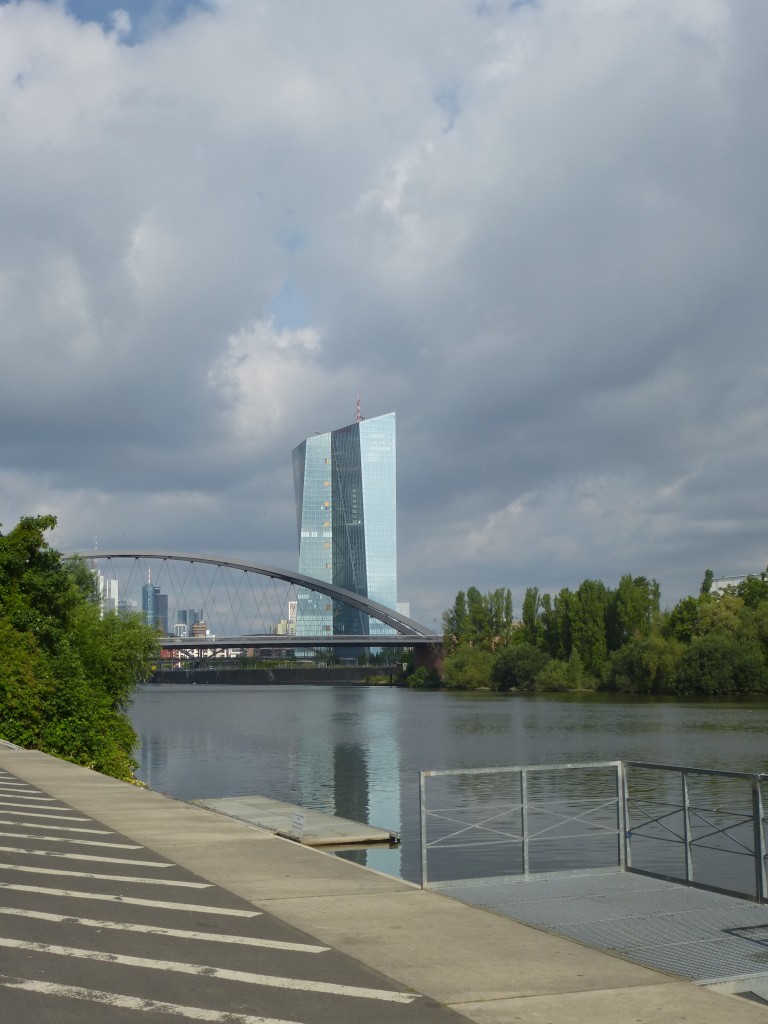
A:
(86, 938)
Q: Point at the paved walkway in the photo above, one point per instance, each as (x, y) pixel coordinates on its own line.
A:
(185, 914)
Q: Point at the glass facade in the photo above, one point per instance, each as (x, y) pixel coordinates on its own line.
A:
(346, 521)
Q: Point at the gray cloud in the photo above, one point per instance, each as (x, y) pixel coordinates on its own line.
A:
(537, 232)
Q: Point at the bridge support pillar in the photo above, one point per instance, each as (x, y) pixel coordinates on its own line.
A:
(430, 658)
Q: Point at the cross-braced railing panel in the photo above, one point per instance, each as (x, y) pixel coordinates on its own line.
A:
(700, 826)
(479, 823)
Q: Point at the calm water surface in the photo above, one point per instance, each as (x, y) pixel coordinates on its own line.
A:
(357, 751)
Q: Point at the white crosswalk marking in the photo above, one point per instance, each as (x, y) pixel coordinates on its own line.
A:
(134, 901)
(86, 856)
(110, 878)
(29, 796)
(18, 803)
(266, 980)
(176, 933)
(132, 1003)
(79, 842)
(60, 828)
(32, 814)
(35, 807)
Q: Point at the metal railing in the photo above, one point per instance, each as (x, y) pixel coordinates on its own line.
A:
(521, 820)
(699, 826)
(712, 821)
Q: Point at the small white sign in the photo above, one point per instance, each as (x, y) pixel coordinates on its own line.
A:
(297, 824)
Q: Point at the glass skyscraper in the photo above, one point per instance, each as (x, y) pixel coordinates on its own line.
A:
(346, 519)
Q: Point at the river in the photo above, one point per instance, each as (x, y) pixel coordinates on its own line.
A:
(357, 751)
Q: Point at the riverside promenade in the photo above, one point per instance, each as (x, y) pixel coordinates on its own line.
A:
(115, 899)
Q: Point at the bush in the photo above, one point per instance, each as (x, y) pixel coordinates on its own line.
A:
(422, 678)
(721, 663)
(469, 668)
(560, 676)
(517, 667)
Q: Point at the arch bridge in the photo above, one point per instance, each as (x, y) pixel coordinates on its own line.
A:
(243, 603)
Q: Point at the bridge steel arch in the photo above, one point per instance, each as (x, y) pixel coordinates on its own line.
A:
(402, 624)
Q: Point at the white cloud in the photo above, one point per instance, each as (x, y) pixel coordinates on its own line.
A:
(262, 379)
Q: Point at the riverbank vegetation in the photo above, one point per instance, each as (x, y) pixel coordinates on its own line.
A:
(619, 640)
(66, 672)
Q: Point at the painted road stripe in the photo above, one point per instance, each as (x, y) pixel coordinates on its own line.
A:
(134, 901)
(29, 796)
(86, 856)
(18, 785)
(176, 933)
(266, 980)
(93, 995)
(80, 842)
(108, 878)
(55, 817)
(60, 828)
(35, 807)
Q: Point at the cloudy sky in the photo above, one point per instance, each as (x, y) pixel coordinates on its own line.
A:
(537, 231)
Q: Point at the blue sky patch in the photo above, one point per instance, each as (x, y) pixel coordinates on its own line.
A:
(147, 16)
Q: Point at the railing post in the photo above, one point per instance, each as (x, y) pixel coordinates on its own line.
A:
(524, 819)
(423, 825)
(687, 829)
(621, 831)
(627, 824)
(761, 888)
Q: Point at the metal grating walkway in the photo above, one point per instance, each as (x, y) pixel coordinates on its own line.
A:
(695, 934)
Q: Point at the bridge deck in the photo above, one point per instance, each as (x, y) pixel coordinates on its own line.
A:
(319, 829)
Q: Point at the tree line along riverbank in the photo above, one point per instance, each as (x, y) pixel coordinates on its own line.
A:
(615, 640)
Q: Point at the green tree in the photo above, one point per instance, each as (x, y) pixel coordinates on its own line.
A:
(632, 610)
(589, 624)
(468, 668)
(531, 622)
(720, 662)
(478, 616)
(549, 633)
(479, 619)
(753, 590)
(500, 615)
(455, 621)
(517, 667)
(66, 674)
(682, 623)
(563, 625)
(646, 664)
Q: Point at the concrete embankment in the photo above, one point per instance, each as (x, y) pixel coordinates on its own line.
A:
(450, 960)
(342, 675)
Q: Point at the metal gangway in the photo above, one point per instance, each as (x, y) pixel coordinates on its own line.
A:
(662, 864)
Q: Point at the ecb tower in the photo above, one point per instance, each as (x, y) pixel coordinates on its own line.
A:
(346, 520)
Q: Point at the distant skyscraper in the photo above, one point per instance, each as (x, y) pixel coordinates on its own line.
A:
(186, 617)
(109, 596)
(154, 607)
(107, 591)
(346, 519)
